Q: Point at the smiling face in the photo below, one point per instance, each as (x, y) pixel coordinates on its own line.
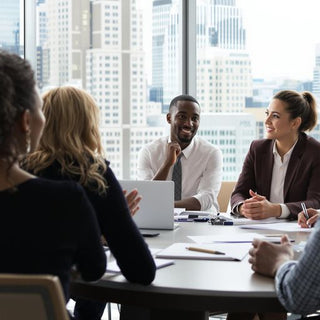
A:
(184, 119)
(278, 123)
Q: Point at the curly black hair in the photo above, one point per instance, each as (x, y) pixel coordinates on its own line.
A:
(17, 94)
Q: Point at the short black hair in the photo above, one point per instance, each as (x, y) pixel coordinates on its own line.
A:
(183, 97)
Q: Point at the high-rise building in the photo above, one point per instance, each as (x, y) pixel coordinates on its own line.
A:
(224, 75)
(161, 21)
(224, 79)
(68, 38)
(115, 66)
(225, 26)
(10, 26)
(316, 75)
(233, 134)
(43, 67)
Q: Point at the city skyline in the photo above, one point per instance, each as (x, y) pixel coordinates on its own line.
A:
(271, 56)
(93, 45)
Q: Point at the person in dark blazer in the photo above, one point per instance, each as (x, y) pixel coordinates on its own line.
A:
(283, 170)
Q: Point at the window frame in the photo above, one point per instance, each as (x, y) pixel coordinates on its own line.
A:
(30, 45)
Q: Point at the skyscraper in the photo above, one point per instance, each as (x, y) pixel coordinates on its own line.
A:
(116, 78)
(68, 25)
(161, 17)
(224, 77)
(226, 27)
(316, 75)
(10, 26)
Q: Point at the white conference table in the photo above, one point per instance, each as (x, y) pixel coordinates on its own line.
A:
(190, 289)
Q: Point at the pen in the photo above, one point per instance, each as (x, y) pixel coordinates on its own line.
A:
(305, 212)
(204, 250)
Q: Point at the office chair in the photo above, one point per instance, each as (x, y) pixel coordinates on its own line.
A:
(36, 297)
(225, 194)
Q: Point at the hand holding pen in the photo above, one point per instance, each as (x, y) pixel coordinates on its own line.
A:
(307, 217)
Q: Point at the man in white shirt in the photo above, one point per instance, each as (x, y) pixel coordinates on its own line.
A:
(201, 162)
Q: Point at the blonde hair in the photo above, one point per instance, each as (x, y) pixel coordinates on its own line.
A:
(71, 136)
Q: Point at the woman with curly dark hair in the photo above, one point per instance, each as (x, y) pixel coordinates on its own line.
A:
(52, 221)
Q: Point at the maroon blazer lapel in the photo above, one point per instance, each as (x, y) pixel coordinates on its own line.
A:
(266, 170)
(294, 165)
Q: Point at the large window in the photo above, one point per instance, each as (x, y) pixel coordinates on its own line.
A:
(12, 26)
(246, 51)
(134, 56)
(126, 54)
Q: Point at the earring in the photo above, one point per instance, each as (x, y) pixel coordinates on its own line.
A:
(28, 142)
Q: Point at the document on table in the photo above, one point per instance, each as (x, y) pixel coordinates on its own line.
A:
(113, 267)
(230, 251)
(160, 263)
(282, 226)
(236, 238)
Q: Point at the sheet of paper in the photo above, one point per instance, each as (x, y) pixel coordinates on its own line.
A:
(160, 263)
(112, 266)
(236, 238)
(283, 226)
(232, 251)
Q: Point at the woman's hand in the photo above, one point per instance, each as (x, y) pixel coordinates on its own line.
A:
(258, 207)
(133, 198)
(308, 223)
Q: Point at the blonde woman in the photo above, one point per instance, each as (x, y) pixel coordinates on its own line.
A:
(70, 148)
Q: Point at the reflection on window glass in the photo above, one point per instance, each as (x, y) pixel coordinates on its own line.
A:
(126, 54)
(11, 26)
(246, 51)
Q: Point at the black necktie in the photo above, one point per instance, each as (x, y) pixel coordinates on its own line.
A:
(176, 177)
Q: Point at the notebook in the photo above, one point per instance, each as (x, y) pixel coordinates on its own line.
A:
(157, 204)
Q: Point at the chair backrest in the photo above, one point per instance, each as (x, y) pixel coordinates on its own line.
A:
(36, 297)
(224, 194)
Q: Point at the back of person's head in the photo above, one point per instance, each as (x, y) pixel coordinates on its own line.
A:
(72, 121)
(17, 94)
(71, 136)
(301, 105)
(182, 97)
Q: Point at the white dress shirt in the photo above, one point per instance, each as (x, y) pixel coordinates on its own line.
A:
(201, 169)
(277, 182)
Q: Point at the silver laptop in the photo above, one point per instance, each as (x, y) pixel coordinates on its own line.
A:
(157, 203)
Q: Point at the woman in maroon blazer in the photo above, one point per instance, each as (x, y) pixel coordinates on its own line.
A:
(283, 170)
